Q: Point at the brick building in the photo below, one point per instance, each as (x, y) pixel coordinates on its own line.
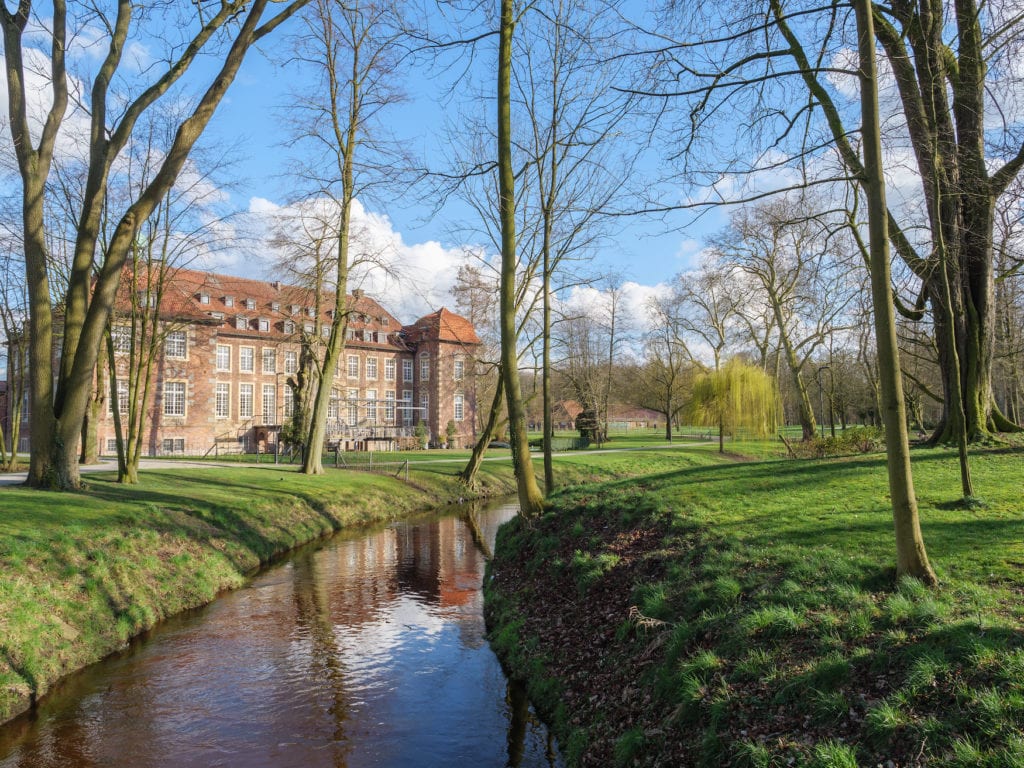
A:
(231, 346)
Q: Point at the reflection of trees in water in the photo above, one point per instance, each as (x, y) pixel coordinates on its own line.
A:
(313, 614)
(521, 720)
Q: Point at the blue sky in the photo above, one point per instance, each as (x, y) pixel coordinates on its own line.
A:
(648, 252)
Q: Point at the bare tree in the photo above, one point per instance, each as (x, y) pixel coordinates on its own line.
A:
(800, 274)
(60, 398)
(947, 113)
(355, 50)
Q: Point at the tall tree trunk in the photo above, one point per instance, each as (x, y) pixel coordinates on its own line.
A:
(911, 557)
(531, 501)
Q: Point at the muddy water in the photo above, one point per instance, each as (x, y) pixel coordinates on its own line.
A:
(366, 651)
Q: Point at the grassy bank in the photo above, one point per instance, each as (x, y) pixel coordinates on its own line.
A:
(83, 573)
(746, 614)
(80, 574)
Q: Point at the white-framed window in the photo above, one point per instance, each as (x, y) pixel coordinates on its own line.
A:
(459, 369)
(389, 369)
(371, 367)
(311, 311)
(424, 367)
(174, 398)
(275, 306)
(350, 334)
(385, 322)
(264, 324)
(269, 403)
(229, 301)
(294, 309)
(325, 331)
(367, 335)
(424, 412)
(241, 323)
(289, 403)
(289, 326)
(175, 344)
(269, 359)
(353, 406)
(122, 398)
(308, 328)
(247, 359)
(460, 406)
(332, 404)
(204, 298)
(353, 366)
(291, 361)
(250, 303)
(222, 400)
(382, 337)
(371, 406)
(245, 398)
(389, 406)
(173, 445)
(223, 362)
(111, 445)
(407, 371)
(407, 412)
(122, 337)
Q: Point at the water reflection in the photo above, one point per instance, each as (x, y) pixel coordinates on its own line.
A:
(368, 651)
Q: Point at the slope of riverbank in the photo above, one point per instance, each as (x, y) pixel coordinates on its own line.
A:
(747, 614)
(81, 574)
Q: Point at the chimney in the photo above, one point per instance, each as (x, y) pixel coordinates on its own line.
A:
(277, 285)
(357, 293)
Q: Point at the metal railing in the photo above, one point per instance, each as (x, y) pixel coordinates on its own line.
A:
(367, 462)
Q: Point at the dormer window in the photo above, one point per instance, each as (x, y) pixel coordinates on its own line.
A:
(229, 301)
(241, 323)
(217, 315)
(325, 331)
(311, 311)
(204, 298)
(350, 334)
(250, 303)
(367, 335)
(382, 337)
(289, 326)
(264, 324)
(385, 322)
(294, 309)
(275, 306)
(308, 327)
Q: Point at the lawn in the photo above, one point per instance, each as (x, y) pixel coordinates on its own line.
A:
(747, 613)
(82, 573)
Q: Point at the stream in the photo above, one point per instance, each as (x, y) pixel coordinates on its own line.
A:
(366, 649)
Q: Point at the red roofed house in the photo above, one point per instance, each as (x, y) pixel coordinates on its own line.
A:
(221, 378)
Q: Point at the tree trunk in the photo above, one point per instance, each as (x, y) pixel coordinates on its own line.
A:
(911, 557)
(468, 474)
(531, 502)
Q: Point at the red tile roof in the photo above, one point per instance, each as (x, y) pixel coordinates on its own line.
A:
(445, 326)
(228, 298)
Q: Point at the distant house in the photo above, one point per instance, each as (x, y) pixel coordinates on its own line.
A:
(232, 345)
(623, 418)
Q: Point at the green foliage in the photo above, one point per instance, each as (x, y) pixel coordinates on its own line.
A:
(422, 435)
(782, 616)
(738, 395)
(852, 440)
(450, 431)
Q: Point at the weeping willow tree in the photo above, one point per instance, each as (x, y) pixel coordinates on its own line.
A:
(736, 395)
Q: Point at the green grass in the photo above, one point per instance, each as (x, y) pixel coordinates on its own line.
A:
(776, 611)
(82, 573)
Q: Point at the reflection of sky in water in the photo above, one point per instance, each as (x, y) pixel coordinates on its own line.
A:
(366, 652)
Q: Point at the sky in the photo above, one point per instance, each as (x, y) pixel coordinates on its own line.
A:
(645, 254)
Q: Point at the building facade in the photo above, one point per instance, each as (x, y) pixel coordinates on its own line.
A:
(231, 349)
